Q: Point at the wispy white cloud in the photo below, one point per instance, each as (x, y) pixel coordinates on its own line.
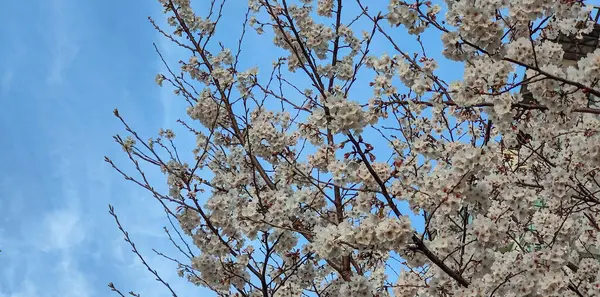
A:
(64, 47)
(73, 283)
(64, 53)
(166, 94)
(28, 289)
(6, 81)
(63, 229)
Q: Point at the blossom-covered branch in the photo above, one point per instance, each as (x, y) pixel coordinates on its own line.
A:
(309, 177)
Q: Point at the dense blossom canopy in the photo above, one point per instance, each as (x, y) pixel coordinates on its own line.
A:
(300, 175)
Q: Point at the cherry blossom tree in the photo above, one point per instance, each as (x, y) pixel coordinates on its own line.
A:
(301, 172)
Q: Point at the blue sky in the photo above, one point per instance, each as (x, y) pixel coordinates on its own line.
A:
(64, 66)
(67, 65)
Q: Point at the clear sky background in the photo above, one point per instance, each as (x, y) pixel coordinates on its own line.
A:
(64, 66)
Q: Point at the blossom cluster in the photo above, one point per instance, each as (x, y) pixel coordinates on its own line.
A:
(358, 172)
